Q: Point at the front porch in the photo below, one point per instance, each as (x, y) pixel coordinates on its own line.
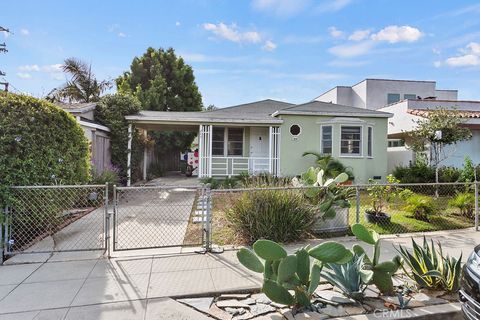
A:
(227, 147)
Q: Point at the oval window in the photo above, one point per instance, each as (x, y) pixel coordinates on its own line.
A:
(295, 130)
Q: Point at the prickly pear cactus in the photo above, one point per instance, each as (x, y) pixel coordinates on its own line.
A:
(283, 272)
(382, 272)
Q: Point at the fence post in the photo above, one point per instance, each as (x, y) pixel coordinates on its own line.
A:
(476, 206)
(3, 235)
(107, 222)
(357, 204)
(208, 219)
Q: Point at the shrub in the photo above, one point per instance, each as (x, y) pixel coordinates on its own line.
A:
(417, 172)
(465, 202)
(448, 174)
(420, 206)
(277, 215)
(39, 144)
(262, 180)
(109, 176)
(111, 112)
(429, 268)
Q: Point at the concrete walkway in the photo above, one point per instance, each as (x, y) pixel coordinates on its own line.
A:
(126, 287)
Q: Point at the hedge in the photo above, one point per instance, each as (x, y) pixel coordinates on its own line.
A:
(40, 144)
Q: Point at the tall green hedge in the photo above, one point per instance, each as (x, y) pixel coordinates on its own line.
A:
(40, 144)
(111, 111)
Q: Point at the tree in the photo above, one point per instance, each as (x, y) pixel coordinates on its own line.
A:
(210, 107)
(111, 111)
(82, 86)
(442, 128)
(163, 82)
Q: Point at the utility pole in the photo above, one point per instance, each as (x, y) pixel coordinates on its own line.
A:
(3, 49)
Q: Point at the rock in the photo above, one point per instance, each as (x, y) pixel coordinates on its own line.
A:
(369, 293)
(287, 313)
(219, 313)
(261, 298)
(238, 296)
(354, 310)
(278, 305)
(426, 300)
(260, 308)
(334, 311)
(452, 297)
(248, 301)
(374, 304)
(235, 311)
(433, 293)
(310, 315)
(334, 296)
(247, 315)
(201, 304)
(324, 286)
(232, 303)
(270, 316)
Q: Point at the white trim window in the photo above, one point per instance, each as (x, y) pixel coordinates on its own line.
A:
(235, 141)
(370, 142)
(351, 140)
(326, 140)
(227, 141)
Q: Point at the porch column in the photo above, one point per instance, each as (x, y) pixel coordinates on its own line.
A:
(145, 155)
(274, 151)
(129, 155)
(270, 151)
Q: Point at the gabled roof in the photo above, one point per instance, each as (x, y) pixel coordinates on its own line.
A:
(256, 112)
(331, 109)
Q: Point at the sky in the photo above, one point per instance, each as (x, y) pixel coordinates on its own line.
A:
(244, 51)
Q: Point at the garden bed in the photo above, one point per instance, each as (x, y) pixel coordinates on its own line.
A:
(328, 303)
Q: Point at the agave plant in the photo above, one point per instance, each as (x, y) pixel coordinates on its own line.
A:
(430, 268)
(382, 272)
(283, 272)
(325, 192)
(350, 277)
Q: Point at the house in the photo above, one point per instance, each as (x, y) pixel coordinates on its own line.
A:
(409, 101)
(375, 94)
(271, 136)
(96, 133)
(407, 112)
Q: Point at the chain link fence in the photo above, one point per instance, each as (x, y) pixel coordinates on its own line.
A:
(55, 218)
(153, 217)
(241, 215)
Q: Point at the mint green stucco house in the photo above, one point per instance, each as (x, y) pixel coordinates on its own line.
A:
(271, 136)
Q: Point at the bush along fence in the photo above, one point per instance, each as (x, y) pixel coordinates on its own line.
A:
(46, 219)
(286, 213)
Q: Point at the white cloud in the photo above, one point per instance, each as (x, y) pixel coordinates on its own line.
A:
(121, 35)
(231, 33)
(52, 68)
(24, 75)
(332, 5)
(177, 23)
(269, 46)
(24, 32)
(351, 50)
(470, 56)
(282, 8)
(31, 67)
(334, 32)
(394, 34)
(294, 39)
(359, 35)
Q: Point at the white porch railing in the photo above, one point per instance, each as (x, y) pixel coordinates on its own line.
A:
(232, 166)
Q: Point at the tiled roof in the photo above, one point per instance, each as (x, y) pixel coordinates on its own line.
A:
(461, 113)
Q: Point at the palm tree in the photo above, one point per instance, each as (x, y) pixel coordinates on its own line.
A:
(82, 86)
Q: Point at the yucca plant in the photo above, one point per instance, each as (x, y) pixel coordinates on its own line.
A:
(349, 277)
(382, 272)
(430, 268)
(283, 272)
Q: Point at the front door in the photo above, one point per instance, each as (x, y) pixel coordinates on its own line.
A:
(258, 142)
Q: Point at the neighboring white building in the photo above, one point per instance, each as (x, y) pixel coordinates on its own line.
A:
(377, 93)
(96, 133)
(409, 101)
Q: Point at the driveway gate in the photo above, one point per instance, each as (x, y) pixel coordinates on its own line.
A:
(160, 216)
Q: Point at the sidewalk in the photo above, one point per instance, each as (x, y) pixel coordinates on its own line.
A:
(136, 287)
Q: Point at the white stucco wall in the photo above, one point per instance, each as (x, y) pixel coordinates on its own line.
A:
(458, 152)
(446, 94)
(398, 156)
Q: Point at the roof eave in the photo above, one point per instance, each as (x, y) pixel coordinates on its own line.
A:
(337, 114)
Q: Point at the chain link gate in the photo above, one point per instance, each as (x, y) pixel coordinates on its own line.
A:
(148, 217)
